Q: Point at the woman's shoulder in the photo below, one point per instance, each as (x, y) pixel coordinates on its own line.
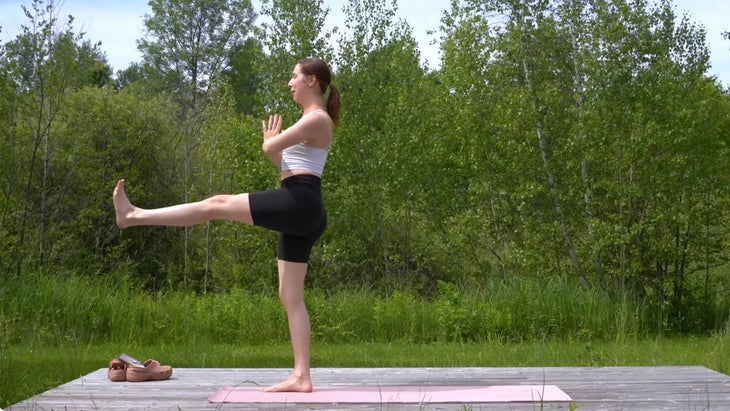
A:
(317, 118)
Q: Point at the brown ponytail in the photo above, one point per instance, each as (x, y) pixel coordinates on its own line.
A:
(333, 104)
(318, 68)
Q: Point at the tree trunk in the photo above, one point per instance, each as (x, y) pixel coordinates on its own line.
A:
(549, 174)
(578, 89)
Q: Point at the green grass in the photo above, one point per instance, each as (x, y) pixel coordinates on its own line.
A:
(43, 311)
(25, 373)
(56, 328)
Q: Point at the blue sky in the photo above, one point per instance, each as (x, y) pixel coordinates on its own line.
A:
(118, 25)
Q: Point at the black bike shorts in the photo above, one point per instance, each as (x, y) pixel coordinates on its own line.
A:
(296, 211)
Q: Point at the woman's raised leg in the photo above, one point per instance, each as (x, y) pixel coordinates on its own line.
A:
(291, 293)
(228, 207)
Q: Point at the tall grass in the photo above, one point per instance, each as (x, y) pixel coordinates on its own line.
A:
(37, 310)
(55, 310)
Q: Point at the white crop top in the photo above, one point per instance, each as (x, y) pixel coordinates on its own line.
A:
(302, 156)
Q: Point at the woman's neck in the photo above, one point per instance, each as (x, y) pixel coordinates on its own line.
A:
(314, 104)
(312, 109)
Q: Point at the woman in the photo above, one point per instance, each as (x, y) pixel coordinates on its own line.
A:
(295, 210)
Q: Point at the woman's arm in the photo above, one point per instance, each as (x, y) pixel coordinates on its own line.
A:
(313, 129)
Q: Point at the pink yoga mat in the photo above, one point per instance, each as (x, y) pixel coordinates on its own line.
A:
(390, 394)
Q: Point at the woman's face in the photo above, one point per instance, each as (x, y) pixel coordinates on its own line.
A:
(298, 84)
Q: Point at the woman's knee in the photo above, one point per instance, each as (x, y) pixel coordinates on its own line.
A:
(291, 297)
(231, 207)
(212, 205)
(291, 301)
(291, 284)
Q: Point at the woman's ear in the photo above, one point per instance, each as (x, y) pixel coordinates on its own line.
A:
(312, 81)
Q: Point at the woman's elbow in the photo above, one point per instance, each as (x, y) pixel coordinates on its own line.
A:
(268, 148)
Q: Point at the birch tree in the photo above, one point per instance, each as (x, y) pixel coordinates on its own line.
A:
(188, 45)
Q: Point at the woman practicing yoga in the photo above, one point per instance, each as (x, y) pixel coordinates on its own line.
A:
(295, 210)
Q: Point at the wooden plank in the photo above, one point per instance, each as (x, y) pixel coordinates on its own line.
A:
(598, 388)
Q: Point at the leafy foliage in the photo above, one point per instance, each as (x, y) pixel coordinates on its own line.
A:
(573, 142)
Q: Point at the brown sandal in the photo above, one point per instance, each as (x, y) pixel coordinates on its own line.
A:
(152, 371)
(117, 370)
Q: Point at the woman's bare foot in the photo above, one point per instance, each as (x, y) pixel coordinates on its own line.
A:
(293, 384)
(122, 206)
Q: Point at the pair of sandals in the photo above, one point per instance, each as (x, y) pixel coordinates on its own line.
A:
(126, 368)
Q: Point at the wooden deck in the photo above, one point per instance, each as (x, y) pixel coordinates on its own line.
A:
(599, 388)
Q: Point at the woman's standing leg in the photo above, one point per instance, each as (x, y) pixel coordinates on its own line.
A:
(291, 293)
(228, 207)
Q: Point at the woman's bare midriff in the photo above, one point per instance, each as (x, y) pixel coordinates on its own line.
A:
(297, 172)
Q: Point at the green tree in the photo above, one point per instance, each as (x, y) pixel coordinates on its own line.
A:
(483, 197)
(93, 68)
(110, 135)
(42, 65)
(379, 171)
(8, 174)
(296, 31)
(188, 45)
(638, 63)
(500, 98)
(232, 254)
(580, 110)
(246, 76)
